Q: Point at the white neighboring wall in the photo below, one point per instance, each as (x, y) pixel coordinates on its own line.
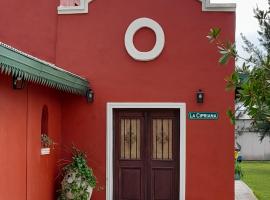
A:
(207, 5)
(251, 146)
(82, 8)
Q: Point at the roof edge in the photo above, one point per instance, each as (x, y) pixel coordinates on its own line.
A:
(17, 63)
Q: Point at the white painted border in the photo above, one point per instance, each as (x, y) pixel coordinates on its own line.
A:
(133, 28)
(83, 8)
(109, 142)
(222, 7)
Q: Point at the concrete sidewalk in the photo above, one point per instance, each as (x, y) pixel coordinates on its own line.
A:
(243, 192)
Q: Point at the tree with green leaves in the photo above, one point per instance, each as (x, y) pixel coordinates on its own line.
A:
(251, 80)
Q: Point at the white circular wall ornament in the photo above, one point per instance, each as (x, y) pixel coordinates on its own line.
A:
(160, 39)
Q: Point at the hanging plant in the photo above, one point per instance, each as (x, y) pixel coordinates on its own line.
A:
(46, 141)
(78, 178)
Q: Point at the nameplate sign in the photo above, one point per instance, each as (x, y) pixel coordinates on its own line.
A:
(203, 115)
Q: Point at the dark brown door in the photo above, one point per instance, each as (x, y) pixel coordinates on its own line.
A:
(146, 149)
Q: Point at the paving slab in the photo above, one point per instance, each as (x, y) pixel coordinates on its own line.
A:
(243, 192)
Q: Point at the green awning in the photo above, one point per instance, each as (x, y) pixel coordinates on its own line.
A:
(17, 63)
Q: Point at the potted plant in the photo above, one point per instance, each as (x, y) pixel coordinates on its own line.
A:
(78, 178)
(238, 172)
(46, 143)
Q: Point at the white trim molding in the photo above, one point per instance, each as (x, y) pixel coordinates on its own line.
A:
(133, 28)
(109, 141)
(83, 8)
(222, 7)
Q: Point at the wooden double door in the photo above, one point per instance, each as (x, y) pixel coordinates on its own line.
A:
(146, 154)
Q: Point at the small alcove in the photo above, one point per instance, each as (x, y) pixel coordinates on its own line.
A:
(46, 141)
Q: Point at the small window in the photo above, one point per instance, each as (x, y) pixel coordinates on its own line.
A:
(130, 140)
(70, 3)
(73, 6)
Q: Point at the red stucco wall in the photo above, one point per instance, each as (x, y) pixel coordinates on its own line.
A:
(188, 63)
(12, 141)
(42, 170)
(25, 173)
(92, 45)
(31, 27)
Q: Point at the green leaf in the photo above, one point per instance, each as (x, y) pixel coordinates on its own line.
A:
(231, 115)
(224, 59)
(213, 34)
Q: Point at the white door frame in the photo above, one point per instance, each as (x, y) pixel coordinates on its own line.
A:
(109, 141)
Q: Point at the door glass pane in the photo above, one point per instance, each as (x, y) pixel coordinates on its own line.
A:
(162, 139)
(130, 139)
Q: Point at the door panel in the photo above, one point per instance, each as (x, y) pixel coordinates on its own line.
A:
(129, 171)
(162, 183)
(164, 137)
(128, 189)
(146, 149)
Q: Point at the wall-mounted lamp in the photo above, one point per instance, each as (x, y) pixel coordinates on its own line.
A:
(18, 82)
(200, 96)
(90, 96)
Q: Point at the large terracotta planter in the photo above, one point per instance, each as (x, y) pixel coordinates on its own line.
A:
(69, 179)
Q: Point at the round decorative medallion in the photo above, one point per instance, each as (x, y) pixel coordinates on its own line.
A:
(160, 39)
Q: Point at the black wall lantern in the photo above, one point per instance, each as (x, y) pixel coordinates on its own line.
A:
(200, 96)
(18, 82)
(90, 96)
